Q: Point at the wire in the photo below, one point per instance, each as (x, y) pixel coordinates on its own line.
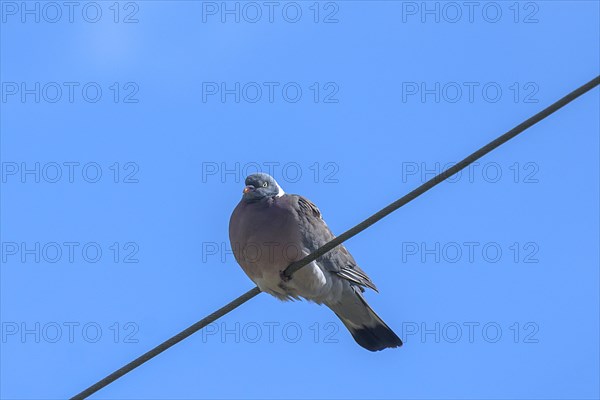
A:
(165, 345)
(295, 266)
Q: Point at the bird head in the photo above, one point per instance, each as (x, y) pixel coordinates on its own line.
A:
(259, 186)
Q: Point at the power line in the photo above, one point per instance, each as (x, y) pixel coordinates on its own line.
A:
(166, 344)
(295, 266)
(289, 271)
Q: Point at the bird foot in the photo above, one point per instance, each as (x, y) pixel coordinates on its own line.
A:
(284, 277)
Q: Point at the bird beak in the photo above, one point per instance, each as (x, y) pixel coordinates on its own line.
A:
(248, 188)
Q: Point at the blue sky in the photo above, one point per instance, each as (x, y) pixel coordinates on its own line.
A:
(126, 133)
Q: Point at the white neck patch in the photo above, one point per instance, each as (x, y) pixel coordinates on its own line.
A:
(280, 191)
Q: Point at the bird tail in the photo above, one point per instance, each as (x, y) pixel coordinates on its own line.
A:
(366, 327)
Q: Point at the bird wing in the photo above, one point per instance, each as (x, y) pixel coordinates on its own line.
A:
(315, 233)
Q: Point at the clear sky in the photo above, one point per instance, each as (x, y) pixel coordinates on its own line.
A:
(126, 132)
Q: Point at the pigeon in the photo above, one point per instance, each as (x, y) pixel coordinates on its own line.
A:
(270, 229)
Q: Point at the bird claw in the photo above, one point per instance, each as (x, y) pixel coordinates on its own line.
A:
(283, 276)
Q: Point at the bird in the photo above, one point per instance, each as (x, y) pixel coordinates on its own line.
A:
(269, 229)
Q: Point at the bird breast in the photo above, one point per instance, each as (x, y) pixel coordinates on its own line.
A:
(265, 239)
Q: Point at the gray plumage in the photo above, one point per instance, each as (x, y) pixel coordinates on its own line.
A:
(269, 230)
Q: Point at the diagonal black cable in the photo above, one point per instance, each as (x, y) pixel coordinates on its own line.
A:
(166, 344)
(343, 237)
(295, 266)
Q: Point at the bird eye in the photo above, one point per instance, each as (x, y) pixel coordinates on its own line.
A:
(265, 184)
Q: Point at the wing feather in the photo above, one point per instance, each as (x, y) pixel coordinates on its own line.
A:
(315, 233)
